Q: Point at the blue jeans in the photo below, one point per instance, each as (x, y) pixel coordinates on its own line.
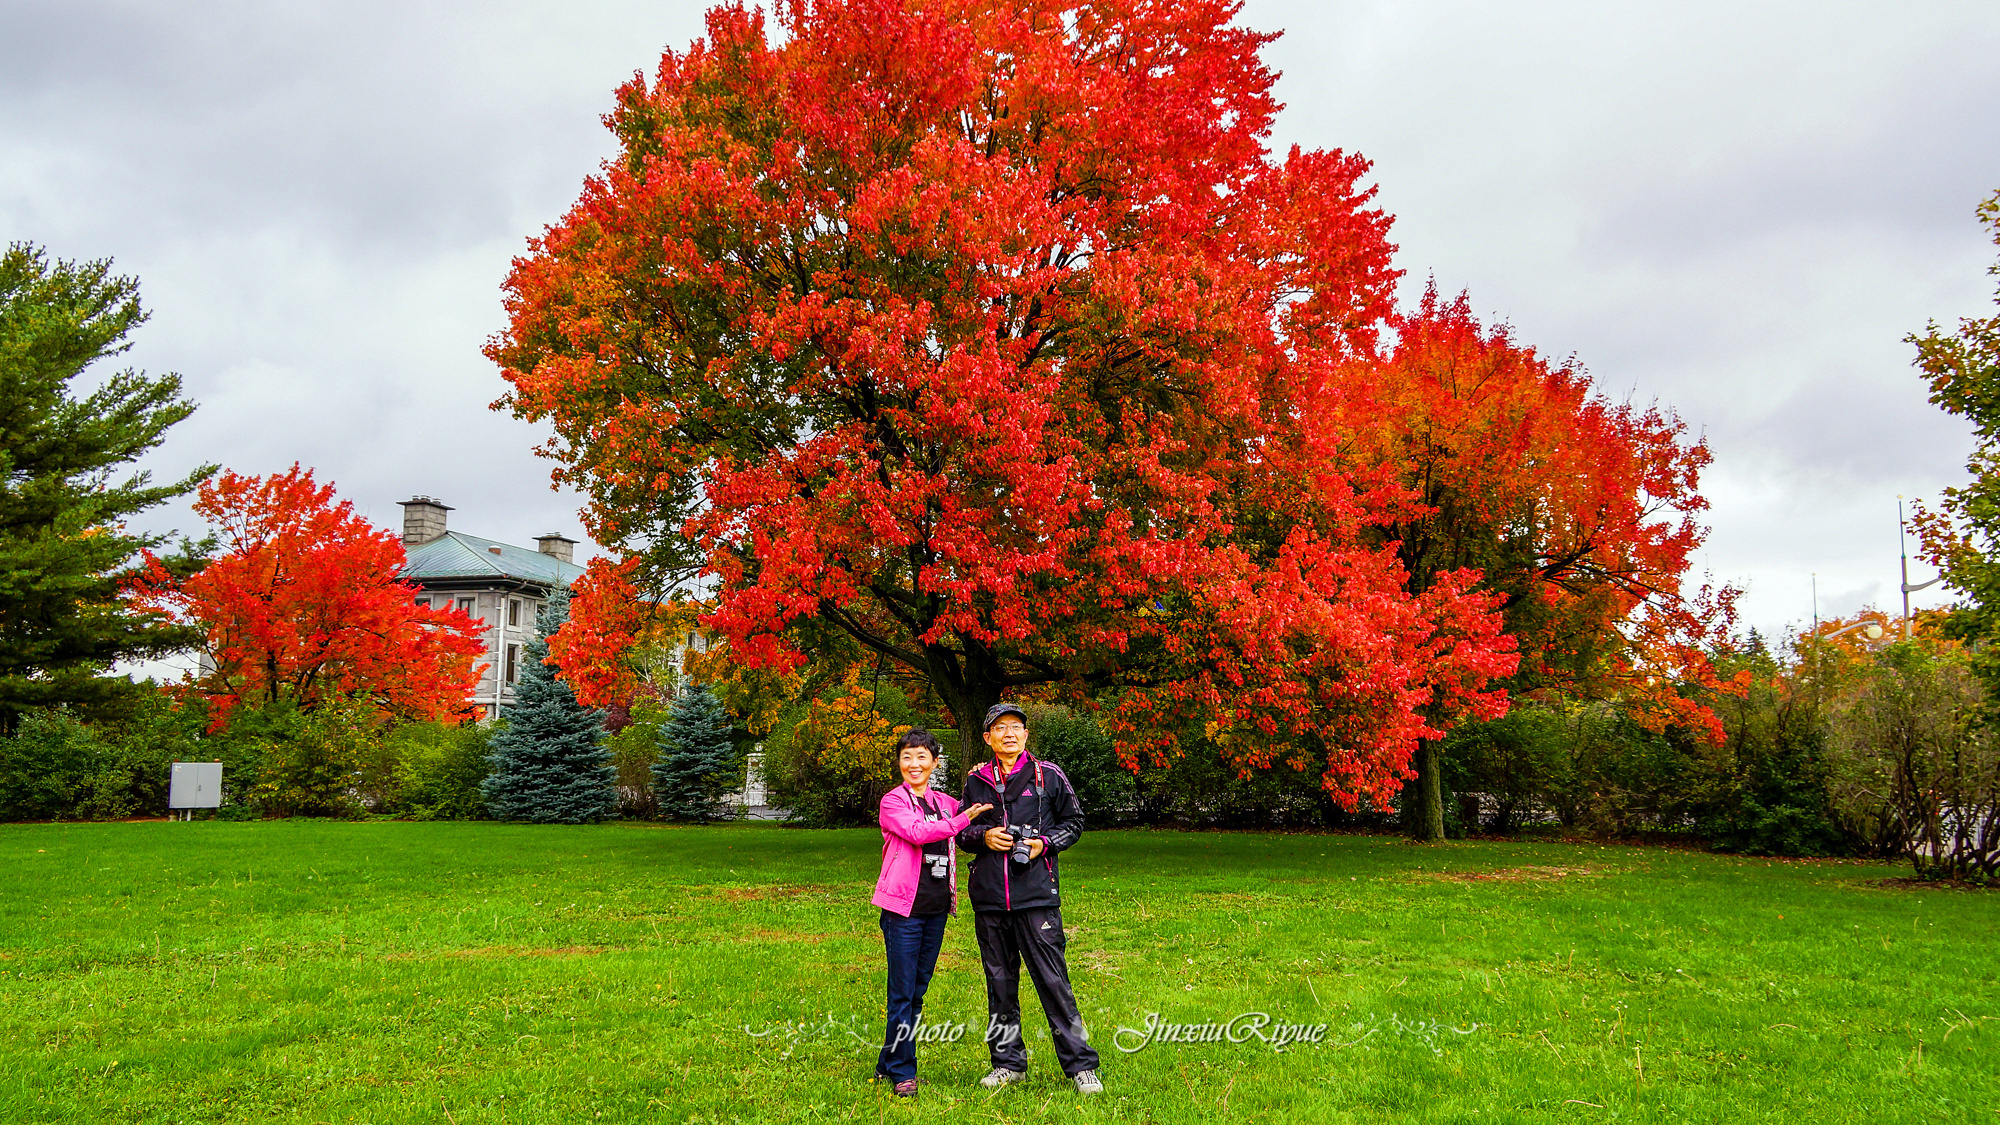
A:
(913, 945)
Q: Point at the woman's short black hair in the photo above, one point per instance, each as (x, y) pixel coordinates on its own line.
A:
(918, 736)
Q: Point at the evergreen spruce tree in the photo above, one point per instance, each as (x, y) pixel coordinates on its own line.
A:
(64, 550)
(697, 758)
(550, 764)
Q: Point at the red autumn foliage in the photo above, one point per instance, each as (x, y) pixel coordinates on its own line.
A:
(305, 605)
(993, 336)
(606, 618)
(1580, 512)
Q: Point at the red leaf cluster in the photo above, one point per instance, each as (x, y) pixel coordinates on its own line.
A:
(606, 618)
(305, 605)
(1580, 512)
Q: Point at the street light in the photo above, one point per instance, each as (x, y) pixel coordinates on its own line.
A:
(1870, 630)
(1907, 588)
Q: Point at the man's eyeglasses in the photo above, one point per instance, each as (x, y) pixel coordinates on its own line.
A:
(1007, 728)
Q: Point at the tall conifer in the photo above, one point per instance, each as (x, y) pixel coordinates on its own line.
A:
(697, 759)
(550, 764)
(64, 550)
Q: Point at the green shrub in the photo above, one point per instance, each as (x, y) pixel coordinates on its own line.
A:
(312, 762)
(1520, 760)
(804, 776)
(51, 766)
(830, 758)
(634, 749)
(1916, 764)
(1779, 801)
(149, 740)
(1203, 789)
(437, 770)
(58, 767)
(1077, 742)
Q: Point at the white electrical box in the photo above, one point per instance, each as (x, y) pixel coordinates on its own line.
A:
(195, 785)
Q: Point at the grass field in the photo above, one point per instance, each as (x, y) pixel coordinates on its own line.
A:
(461, 973)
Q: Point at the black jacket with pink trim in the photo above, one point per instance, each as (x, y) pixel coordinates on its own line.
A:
(1037, 793)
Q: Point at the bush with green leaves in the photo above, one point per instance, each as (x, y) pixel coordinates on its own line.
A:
(55, 768)
(1519, 760)
(1916, 763)
(831, 772)
(438, 769)
(313, 763)
(150, 738)
(635, 747)
(58, 767)
(1779, 800)
(1076, 741)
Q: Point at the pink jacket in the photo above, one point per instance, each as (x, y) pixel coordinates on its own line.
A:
(904, 834)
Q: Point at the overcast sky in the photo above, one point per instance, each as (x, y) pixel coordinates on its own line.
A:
(1735, 210)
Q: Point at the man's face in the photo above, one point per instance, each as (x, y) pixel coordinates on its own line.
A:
(1008, 736)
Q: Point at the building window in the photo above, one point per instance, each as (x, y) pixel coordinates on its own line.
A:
(423, 603)
(465, 606)
(513, 611)
(513, 658)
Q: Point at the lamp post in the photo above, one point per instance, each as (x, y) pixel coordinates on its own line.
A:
(1871, 630)
(1908, 589)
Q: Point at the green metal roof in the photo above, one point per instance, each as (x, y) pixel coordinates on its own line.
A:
(458, 555)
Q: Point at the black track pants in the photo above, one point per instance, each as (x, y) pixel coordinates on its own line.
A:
(1006, 938)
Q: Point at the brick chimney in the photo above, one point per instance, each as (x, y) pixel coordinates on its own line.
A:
(556, 545)
(423, 519)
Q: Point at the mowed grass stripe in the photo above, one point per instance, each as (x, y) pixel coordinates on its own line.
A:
(390, 972)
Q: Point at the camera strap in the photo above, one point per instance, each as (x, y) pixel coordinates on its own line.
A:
(1000, 787)
(940, 864)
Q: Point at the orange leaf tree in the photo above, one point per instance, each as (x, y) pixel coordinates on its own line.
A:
(1961, 534)
(1578, 513)
(305, 606)
(619, 648)
(994, 336)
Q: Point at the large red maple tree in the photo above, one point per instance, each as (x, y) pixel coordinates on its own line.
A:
(993, 335)
(304, 604)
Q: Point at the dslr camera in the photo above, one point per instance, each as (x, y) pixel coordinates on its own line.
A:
(1022, 833)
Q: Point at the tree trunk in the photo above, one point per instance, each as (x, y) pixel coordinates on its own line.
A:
(968, 709)
(1423, 798)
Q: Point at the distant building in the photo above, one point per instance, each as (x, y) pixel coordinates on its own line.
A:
(501, 584)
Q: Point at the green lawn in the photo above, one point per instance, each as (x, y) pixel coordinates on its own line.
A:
(461, 973)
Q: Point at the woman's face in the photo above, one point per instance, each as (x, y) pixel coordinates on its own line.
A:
(915, 763)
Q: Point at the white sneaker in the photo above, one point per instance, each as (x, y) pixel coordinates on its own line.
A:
(1086, 1082)
(1001, 1076)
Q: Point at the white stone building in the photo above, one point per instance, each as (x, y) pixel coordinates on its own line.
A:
(501, 584)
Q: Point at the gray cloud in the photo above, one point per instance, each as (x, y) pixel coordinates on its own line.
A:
(1735, 210)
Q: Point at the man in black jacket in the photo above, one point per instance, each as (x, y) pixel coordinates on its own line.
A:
(1017, 912)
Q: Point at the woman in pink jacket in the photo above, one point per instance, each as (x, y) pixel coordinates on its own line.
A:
(917, 891)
